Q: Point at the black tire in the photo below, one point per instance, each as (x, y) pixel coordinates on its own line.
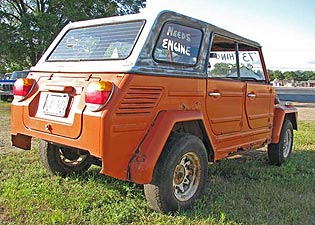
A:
(4, 98)
(180, 174)
(63, 161)
(278, 153)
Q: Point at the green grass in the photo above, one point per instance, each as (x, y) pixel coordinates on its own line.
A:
(243, 190)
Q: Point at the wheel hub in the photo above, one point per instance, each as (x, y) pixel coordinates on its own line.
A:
(70, 154)
(179, 174)
(186, 177)
(72, 157)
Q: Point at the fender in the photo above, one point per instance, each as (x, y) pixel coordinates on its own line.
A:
(281, 111)
(142, 163)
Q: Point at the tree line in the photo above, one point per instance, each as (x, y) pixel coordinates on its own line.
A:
(27, 27)
(292, 75)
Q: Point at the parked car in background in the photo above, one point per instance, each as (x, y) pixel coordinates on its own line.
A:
(6, 85)
(7, 76)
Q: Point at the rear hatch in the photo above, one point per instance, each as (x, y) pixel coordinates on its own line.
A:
(58, 105)
(85, 52)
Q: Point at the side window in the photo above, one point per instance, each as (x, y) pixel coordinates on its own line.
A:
(178, 44)
(250, 63)
(222, 61)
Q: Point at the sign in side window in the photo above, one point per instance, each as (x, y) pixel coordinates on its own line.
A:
(109, 41)
(222, 61)
(178, 44)
(250, 63)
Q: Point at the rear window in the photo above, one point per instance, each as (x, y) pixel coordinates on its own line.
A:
(178, 44)
(110, 41)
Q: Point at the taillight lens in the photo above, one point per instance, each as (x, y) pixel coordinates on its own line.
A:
(22, 88)
(97, 94)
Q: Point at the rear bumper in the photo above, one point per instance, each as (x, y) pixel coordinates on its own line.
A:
(21, 135)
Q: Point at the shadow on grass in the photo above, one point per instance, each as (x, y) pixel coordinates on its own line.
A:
(248, 190)
(244, 189)
(123, 187)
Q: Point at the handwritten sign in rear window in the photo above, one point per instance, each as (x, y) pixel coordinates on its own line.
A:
(178, 44)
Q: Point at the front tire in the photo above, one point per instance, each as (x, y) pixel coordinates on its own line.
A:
(278, 153)
(63, 161)
(180, 174)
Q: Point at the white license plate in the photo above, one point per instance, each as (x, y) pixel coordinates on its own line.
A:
(56, 104)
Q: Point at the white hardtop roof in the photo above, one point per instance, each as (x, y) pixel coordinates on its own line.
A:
(125, 65)
(94, 66)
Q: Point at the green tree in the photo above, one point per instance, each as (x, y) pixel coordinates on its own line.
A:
(278, 74)
(308, 75)
(27, 27)
(289, 75)
(271, 74)
(298, 75)
(223, 69)
(292, 75)
(2, 69)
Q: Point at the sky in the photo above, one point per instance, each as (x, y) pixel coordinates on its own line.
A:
(284, 28)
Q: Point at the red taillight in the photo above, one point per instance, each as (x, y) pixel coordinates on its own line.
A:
(22, 87)
(97, 94)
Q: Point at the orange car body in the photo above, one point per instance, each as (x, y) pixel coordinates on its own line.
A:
(151, 98)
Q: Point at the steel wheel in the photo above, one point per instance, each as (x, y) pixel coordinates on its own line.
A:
(279, 152)
(287, 143)
(72, 157)
(63, 161)
(180, 174)
(186, 178)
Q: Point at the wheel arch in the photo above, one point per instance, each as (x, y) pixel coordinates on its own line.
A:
(292, 117)
(142, 163)
(281, 114)
(198, 129)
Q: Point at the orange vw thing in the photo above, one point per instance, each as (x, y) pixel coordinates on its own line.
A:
(152, 99)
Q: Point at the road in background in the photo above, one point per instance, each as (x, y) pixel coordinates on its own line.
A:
(304, 95)
(303, 98)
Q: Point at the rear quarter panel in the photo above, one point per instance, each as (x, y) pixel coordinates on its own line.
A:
(135, 106)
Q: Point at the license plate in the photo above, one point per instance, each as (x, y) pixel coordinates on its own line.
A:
(56, 104)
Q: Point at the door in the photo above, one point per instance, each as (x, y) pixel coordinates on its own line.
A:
(259, 99)
(225, 105)
(225, 100)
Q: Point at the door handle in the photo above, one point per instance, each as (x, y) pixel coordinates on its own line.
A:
(214, 94)
(251, 95)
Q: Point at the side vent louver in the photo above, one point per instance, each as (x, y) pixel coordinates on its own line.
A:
(139, 100)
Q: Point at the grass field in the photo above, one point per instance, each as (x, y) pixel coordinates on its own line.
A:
(240, 190)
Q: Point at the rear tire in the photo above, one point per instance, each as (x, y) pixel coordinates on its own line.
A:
(180, 174)
(278, 153)
(63, 161)
(4, 98)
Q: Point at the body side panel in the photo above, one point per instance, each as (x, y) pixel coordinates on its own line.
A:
(136, 106)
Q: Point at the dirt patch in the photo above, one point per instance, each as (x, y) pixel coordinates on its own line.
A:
(249, 155)
(2, 217)
(306, 111)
